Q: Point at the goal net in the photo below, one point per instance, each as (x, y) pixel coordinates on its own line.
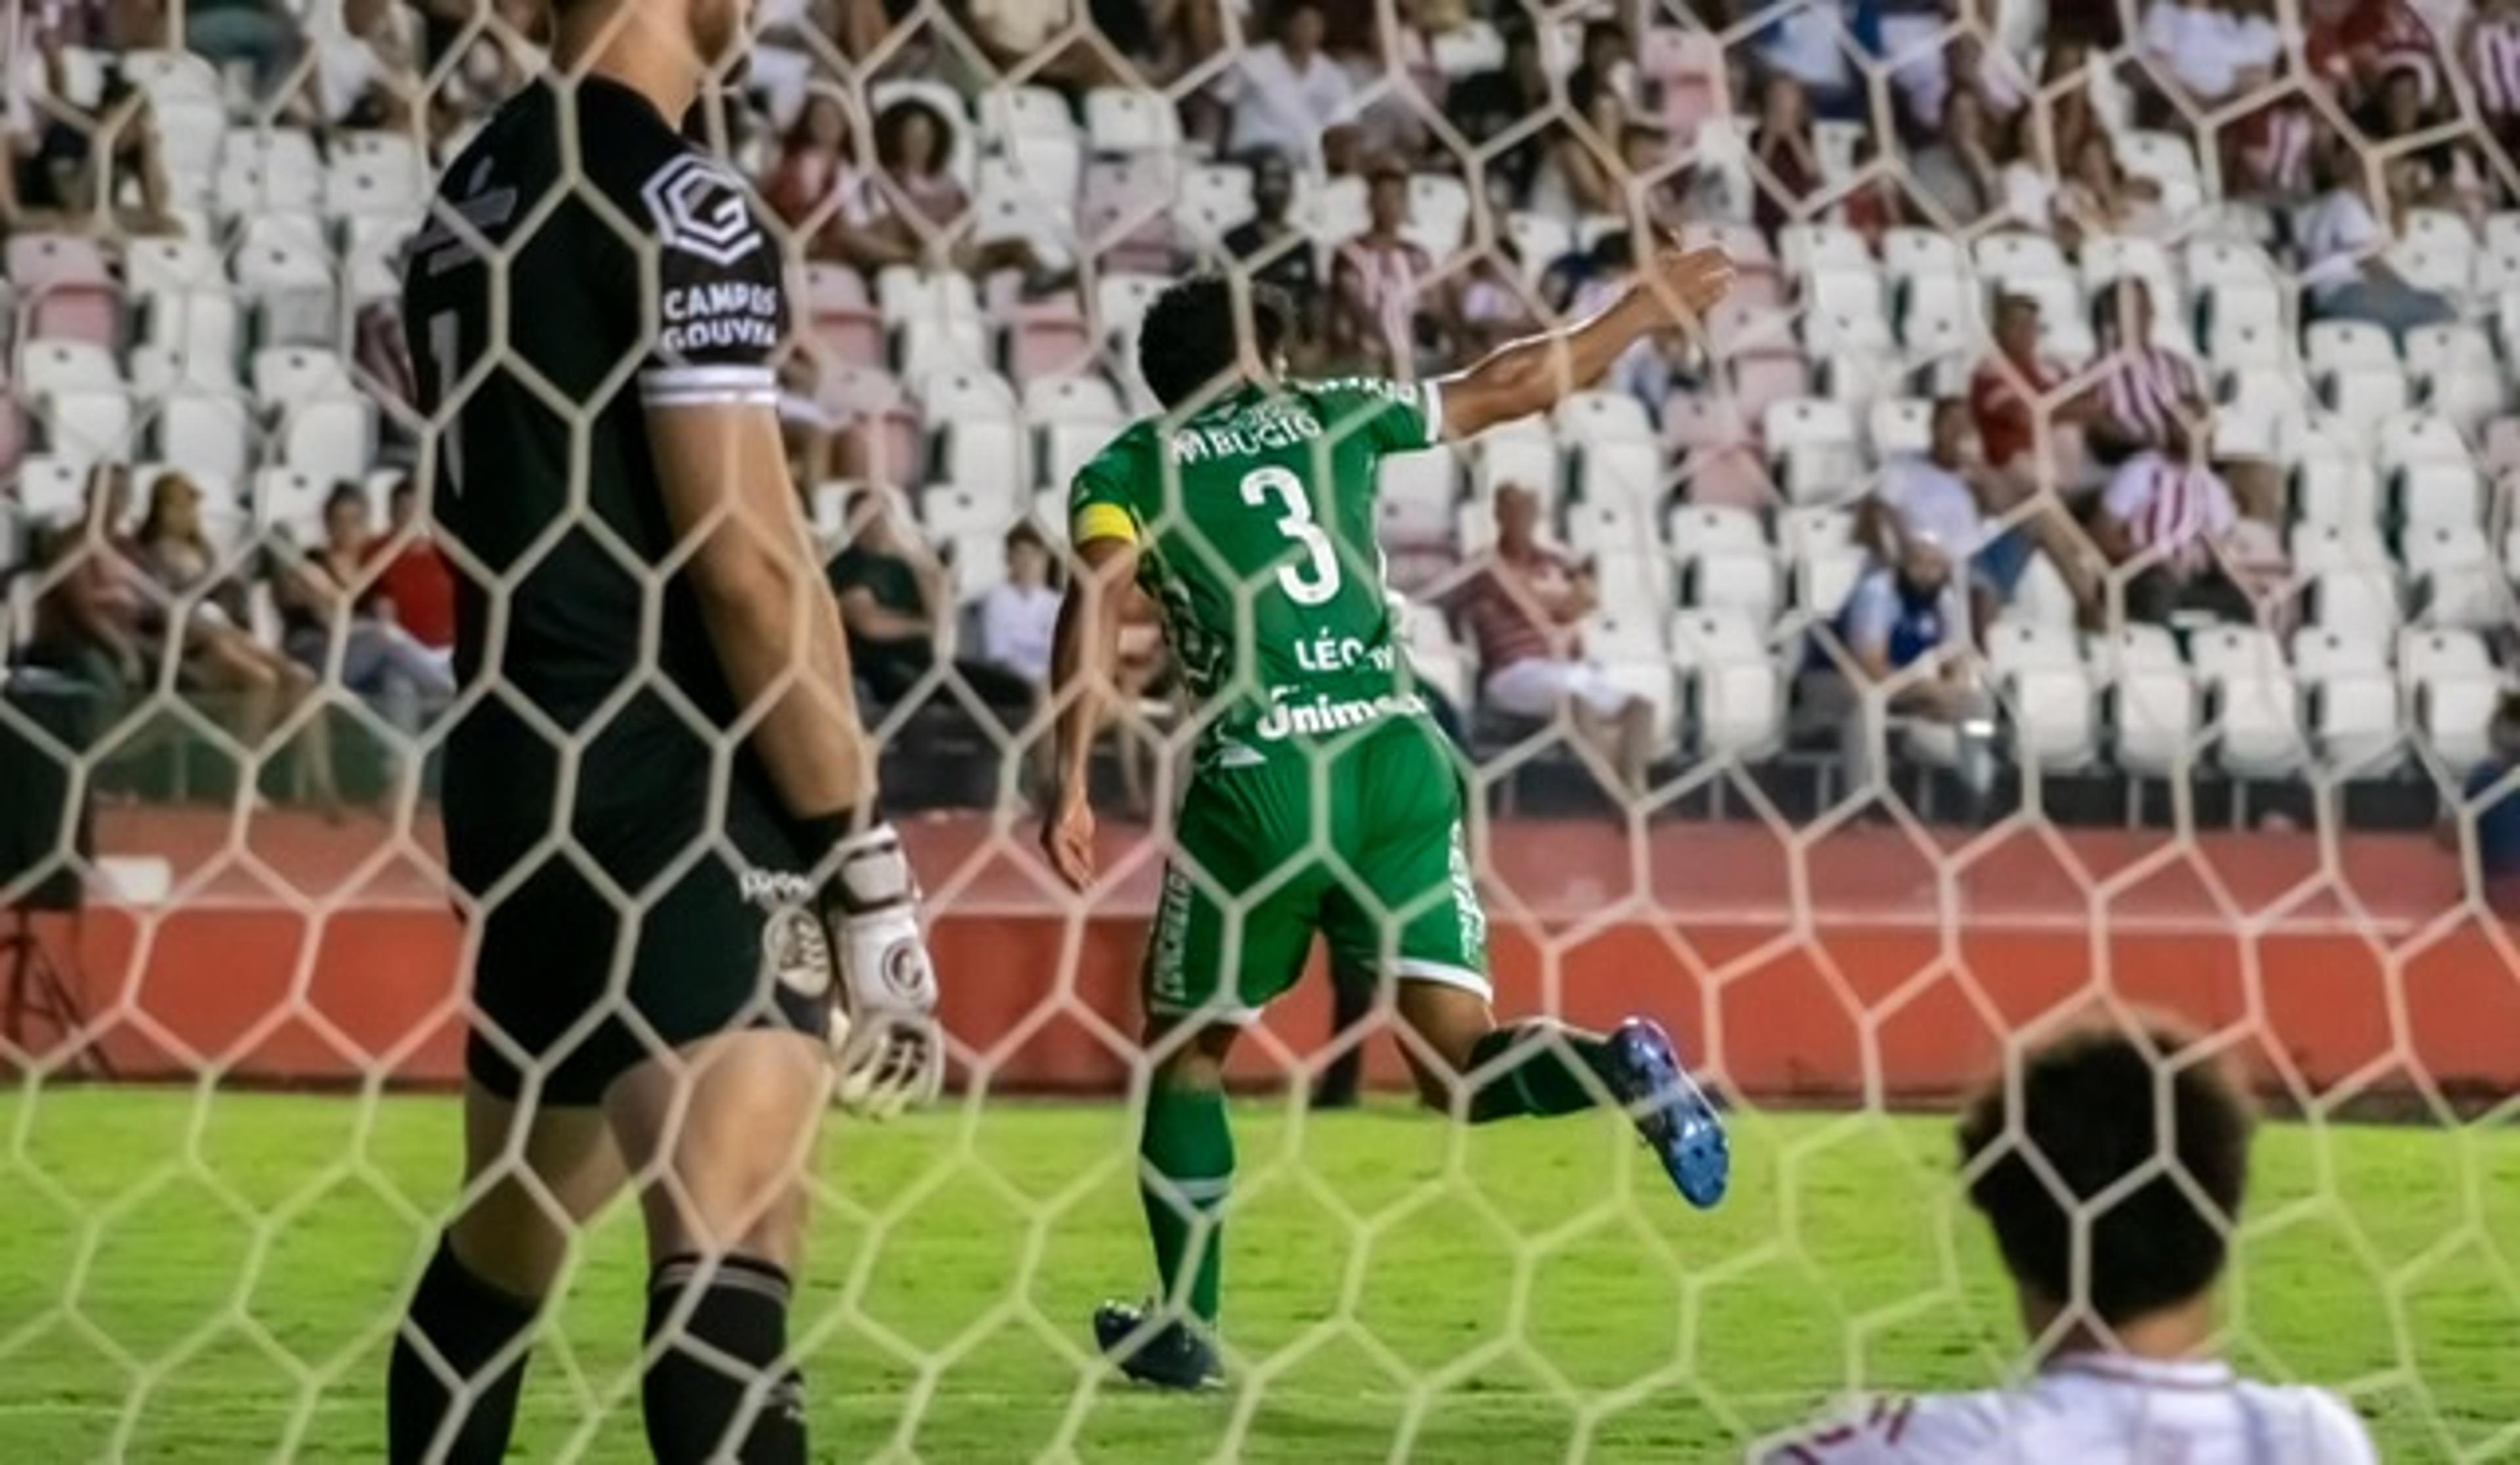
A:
(2069, 577)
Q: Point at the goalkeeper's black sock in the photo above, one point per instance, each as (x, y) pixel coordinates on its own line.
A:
(722, 1389)
(467, 1324)
(1542, 1071)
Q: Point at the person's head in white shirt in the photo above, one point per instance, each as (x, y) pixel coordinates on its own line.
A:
(2140, 1274)
(1301, 25)
(1948, 446)
(1027, 559)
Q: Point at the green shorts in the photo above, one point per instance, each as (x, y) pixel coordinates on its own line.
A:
(1363, 843)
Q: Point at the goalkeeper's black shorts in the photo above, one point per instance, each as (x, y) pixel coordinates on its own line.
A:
(649, 926)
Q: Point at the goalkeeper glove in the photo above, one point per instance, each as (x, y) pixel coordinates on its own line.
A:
(884, 1039)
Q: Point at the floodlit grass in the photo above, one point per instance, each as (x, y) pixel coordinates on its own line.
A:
(215, 1279)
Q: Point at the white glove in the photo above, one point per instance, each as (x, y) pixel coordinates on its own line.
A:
(884, 1039)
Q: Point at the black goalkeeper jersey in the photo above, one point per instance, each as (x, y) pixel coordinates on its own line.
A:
(581, 264)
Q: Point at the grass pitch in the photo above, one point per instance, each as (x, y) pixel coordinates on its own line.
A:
(215, 1279)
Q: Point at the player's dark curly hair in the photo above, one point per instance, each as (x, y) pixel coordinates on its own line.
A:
(2091, 1106)
(1186, 343)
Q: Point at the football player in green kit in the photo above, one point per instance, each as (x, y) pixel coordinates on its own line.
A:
(1322, 798)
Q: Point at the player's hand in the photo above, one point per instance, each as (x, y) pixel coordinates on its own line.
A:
(1696, 280)
(885, 1037)
(1068, 838)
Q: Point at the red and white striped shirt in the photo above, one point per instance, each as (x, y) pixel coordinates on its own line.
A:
(2276, 144)
(2173, 509)
(1379, 281)
(2149, 389)
(2493, 60)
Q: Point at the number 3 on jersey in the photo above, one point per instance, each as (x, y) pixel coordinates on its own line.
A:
(1316, 579)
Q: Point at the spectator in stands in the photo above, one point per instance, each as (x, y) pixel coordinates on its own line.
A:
(416, 584)
(1495, 306)
(1608, 65)
(1034, 34)
(1786, 159)
(1660, 178)
(327, 589)
(2340, 239)
(915, 199)
(2065, 106)
(1287, 92)
(2100, 197)
(1810, 46)
(1276, 252)
(1389, 311)
(2006, 400)
(1905, 613)
(2212, 50)
(2115, 1277)
(2148, 395)
(1579, 175)
(365, 71)
(89, 618)
(1957, 174)
(2444, 174)
(2490, 48)
(2497, 810)
(82, 161)
(896, 603)
(1020, 612)
(257, 34)
(1520, 609)
(200, 610)
(2266, 153)
(2169, 519)
(813, 173)
(1935, 494)
(1492, 103)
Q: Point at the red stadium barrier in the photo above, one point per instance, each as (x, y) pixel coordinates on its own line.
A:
(2370, 978)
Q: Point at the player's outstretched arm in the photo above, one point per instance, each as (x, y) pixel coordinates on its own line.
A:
(1538, 371)
(763, 599)
(1082, 651)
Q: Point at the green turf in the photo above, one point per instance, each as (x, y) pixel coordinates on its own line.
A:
(191, 1280)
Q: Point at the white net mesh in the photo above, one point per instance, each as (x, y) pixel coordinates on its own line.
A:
(2234, 568)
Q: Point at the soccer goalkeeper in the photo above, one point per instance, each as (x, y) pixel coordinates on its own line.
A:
(1322, 798)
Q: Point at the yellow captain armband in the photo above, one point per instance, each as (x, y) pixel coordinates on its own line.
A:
(1103, 522)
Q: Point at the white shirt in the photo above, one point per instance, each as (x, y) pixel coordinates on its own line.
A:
(1017, 626)
(1807, 44)
(1281, 110)
(1931, 499)
(2095, 1409)
(2336, 231)
(2207, 48)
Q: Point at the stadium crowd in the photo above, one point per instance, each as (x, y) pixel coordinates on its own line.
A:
(2033, 373)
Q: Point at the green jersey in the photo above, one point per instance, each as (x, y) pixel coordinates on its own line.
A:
(1254, 521)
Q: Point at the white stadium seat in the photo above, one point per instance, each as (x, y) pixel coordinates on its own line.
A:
(2451, 687)
(2349, 699)
(2154, 703)
(2257, 701)
(2041, 678)
(1736, 693)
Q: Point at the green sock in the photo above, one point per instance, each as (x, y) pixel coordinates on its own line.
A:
(1541, 1073)
(1186, 1168)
